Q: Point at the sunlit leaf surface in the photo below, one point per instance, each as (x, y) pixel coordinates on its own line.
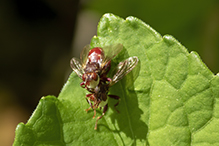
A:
(170, 98)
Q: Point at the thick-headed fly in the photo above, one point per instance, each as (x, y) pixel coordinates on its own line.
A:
(93, 68)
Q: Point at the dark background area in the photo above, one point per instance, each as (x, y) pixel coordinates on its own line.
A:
(39, 37)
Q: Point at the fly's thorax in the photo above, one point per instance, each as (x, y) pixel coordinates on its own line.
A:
(96, 55)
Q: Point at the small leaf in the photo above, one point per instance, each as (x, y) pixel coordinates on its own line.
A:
(170, 98)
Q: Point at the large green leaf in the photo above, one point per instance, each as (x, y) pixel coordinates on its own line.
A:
(173, 101)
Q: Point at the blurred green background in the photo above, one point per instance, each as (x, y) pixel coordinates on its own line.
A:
(39, 37)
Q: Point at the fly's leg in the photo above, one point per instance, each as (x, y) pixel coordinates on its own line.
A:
(94, 113)
(104, 111)
(88, 95)
(88, 101)
(117, 98)
(109, 80)
(88, 109)
(82, 84)
(91, 105)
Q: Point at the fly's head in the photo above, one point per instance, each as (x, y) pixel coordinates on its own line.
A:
(96, 55)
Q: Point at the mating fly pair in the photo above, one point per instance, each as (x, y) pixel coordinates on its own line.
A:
(93, 67)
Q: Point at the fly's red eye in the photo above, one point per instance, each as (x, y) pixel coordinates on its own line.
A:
(96, 50)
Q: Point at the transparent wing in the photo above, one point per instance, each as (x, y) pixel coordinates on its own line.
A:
(110, 52)
(77, 66)
(84, 54)
(124, 68)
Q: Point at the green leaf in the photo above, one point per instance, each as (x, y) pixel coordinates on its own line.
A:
(173, 101)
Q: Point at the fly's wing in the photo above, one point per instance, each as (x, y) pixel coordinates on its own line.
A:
(110, 52)
(124, 68)
(77, 66)
(84, 54)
